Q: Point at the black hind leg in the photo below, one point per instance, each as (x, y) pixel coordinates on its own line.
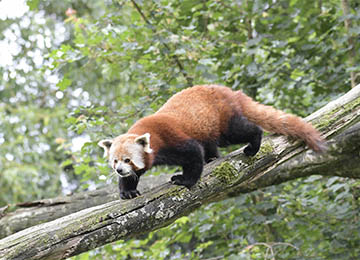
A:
(254, 144)
(211, 152)
(240, 131)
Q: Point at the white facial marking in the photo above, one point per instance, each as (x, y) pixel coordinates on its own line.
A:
(105, 144)
(144, 141)
(121, 167)
(128, 156)
(137, 157)
(125, 167)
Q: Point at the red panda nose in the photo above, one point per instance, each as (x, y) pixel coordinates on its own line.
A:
(119, 171)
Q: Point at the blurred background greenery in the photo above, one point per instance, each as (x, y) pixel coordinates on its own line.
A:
(74, 72)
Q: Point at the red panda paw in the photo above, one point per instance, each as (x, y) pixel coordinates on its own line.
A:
(182, 181)
(129, 194)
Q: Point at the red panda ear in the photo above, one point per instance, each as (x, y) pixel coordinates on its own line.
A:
(105, 144)
(144, 140)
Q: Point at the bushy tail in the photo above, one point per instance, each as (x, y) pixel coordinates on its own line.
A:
(279, 122)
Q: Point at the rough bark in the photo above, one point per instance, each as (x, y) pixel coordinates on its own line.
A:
(279, 160)
(14, 218)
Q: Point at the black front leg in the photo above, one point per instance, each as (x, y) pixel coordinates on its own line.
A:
(190, 155)
(127, 187)
(191, 174)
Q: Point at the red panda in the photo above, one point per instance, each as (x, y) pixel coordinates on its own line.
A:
(189, 127)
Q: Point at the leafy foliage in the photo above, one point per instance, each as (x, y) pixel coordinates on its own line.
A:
(91, 71)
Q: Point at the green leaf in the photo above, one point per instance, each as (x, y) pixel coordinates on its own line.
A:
(33, 4)
(64, 83)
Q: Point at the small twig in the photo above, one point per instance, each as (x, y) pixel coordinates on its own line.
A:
(176, 58)
(270, 253)
(111, 177)
(140, 12)
(286, 244)
(215, 258)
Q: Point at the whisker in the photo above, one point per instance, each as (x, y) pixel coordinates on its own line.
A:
(111, 177)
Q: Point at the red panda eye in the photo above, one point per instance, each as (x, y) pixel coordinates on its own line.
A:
(115, 161)
(127, 160)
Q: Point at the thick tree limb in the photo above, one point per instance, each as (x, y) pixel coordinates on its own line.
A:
(278, 161)
(14, 218)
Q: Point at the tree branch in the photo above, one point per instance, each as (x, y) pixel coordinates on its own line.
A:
(14, 218)
(279, 160)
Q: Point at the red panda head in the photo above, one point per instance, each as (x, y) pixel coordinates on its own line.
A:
(126, 153)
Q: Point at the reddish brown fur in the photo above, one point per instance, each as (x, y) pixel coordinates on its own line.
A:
(189, 127)
(277, 121)
(120, 145)
(203, 113)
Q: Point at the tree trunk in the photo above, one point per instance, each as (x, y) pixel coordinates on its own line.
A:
(279, 160)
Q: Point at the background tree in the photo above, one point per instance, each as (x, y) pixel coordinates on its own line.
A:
(90, 74)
